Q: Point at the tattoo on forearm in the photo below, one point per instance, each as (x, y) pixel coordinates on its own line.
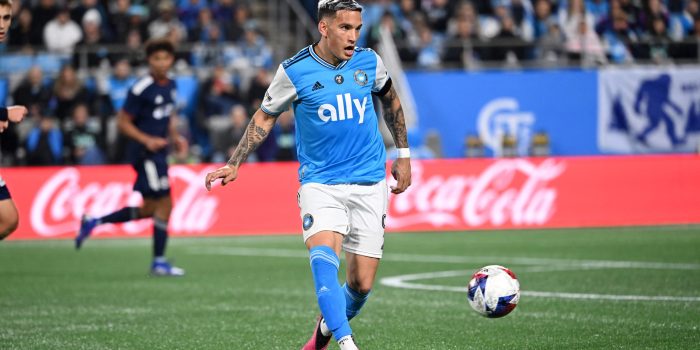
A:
(252, 138)
(394, 118)
(260, 131)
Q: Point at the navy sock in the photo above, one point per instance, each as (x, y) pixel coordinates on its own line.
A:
(122, 215)
(160, 237)
(324, 267)
(354, 301)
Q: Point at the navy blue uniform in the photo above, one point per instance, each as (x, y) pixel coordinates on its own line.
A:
(150, 104)
(4, 192)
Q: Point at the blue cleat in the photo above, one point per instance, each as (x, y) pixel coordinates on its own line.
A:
(87, 224)
(165, 269)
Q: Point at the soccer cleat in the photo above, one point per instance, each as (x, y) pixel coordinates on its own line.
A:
(347, 343)
(318, 341)
(165, 269)
(87, 224)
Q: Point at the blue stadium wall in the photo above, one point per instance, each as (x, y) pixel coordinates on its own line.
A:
(584, 112)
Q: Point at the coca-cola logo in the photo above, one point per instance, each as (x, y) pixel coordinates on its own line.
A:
(511, 191)
(63, 199)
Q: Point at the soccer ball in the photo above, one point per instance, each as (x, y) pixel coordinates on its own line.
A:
(493, 291)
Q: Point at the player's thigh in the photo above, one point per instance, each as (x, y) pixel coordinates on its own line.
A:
(367, 207)
(322, 209)
(360, 271)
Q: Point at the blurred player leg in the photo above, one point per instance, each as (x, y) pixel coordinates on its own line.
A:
(9, 218)
(88, 224)
(160, 266)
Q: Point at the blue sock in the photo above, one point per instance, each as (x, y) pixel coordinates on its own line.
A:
(122, 215)
(354, 301)
(324, 267)
(160, 237)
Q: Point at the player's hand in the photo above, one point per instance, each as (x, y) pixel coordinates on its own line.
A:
(401, 171)
(3, 126)
(155, 144)
(226, 173)
(15, 114)
(181, 146)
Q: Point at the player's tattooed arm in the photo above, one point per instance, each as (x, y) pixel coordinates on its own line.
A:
(394, 118)
(257, 131)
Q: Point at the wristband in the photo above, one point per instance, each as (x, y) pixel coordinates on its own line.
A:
(403, 153)
(3, 114)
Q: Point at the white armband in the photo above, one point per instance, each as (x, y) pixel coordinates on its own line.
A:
(403, 153)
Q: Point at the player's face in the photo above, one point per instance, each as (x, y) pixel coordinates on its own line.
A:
(5, 21)
(160, 63)
(342, 33)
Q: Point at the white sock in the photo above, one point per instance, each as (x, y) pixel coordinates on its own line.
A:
(347, 343)
(324, 328)
(159, 259)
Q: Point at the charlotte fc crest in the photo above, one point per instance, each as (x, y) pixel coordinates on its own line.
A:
(360, 77)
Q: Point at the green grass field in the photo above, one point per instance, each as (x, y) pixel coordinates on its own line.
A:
(629, 288)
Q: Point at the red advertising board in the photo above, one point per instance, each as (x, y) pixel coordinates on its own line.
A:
(445, 195)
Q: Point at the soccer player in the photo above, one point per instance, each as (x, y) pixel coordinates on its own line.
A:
(343, 195)
(147, 118)
(9, 218)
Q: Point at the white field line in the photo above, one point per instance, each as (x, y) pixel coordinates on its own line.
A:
(453, 259)
(536, 265)
(402, 281)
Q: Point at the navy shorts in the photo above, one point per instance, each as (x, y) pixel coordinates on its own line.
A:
(152, 177)
(4, 192)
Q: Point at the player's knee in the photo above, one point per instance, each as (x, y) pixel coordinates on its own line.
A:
(361, 287)
(6, 228)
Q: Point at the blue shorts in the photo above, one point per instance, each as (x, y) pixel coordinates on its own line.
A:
(152, 177)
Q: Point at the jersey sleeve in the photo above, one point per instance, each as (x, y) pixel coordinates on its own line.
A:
(381, 75)
(280, 94)
(131, 104)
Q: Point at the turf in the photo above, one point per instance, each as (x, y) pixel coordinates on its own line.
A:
(256, 293)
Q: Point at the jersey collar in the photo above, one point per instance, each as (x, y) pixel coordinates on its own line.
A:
(323, 62)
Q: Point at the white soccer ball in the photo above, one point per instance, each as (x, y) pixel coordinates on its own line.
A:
(493, 291)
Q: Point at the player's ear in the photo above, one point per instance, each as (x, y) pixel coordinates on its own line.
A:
(323, 28)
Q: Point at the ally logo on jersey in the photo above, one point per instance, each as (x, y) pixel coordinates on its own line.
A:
(344, 109)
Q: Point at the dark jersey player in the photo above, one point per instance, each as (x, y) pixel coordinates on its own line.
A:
(148, 119)
(9, 218)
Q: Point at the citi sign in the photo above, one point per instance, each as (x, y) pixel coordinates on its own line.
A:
(343, 109)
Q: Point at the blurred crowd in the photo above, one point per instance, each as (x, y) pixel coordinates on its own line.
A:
(444, 33)
(71, 62)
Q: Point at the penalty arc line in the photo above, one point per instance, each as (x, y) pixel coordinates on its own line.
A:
(402, 281)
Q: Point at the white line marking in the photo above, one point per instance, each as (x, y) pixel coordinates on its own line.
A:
(453, 259)
(402, 282)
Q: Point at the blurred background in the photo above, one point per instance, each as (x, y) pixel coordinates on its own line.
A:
(515, 77)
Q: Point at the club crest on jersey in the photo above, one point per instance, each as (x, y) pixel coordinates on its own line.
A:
(308, 221)
(339, 79)
(360, 77)
(159, 99)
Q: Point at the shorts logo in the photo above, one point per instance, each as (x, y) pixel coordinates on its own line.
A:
(360, 77)
(339, 79)
(308, 221)
(384, 221)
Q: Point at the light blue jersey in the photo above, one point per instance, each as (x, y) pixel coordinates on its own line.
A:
(337, 131)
